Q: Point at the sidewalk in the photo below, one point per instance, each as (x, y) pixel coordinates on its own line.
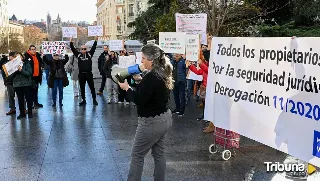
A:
(94, 143)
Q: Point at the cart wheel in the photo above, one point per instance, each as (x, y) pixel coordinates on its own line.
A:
(213, 149)
(226, 154)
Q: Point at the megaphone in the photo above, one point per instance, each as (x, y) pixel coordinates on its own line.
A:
(119, 74)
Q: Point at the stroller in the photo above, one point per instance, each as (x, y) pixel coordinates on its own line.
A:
(229, 140)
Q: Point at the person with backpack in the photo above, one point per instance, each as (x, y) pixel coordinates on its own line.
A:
(85, 70)
(73, 70)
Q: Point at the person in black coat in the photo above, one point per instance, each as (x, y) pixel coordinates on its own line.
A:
(37, 64)
(101, 62)
(57, 76)
(85, 70)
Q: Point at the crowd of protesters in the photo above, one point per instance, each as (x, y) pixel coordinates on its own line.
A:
(26, 81)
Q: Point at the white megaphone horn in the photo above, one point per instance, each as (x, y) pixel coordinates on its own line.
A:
(119, 74)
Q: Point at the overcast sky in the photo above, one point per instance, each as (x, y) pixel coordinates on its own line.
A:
(68, 9)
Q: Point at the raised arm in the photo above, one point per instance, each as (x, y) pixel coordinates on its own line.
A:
(66, 59)
(74, 51)
(195, 70)
(204, 67)
(93, 48)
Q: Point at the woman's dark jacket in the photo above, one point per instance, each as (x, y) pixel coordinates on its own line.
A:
(56, 65)
(108, 65)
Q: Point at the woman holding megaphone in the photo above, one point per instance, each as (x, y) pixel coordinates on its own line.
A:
(154, 116)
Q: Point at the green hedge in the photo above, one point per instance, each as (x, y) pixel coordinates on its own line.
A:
(288, 30)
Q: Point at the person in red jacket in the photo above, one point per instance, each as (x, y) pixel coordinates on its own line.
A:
(203, 70)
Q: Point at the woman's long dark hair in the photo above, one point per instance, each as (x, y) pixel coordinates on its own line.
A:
(161, 64)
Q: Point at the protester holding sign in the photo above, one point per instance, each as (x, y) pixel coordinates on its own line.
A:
(85, 70)
(58, 77)
(10, 90)
(36, 64)
(22, 84)
(203, 64)
(112, 87)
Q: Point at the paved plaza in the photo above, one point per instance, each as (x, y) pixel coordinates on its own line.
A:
(94, 143)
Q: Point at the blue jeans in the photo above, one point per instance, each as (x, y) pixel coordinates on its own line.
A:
(57, 84)
(190, 84)
(179, 93)
(47, 74)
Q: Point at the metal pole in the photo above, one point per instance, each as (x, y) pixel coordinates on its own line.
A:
(213, 14)
(8, 40)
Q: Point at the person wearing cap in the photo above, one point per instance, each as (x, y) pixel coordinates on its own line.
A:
(10, 90)
(85, 70)
(57, 74)
(35, 59)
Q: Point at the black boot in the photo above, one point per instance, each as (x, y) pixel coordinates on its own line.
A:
(84, 102)
(95, 102)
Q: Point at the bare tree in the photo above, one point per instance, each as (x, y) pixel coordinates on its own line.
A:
(225, 14)
(33, 35)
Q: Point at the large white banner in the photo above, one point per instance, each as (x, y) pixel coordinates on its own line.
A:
(267, 89)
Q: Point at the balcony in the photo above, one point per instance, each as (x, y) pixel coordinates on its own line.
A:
(119, 2)
(131, 14)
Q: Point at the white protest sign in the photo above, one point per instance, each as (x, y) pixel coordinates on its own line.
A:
(69, 32)
(253, 90)
(192, 47)
(54, 47)
(95, 30)
(173, 42)
(12, 66)
(116, 45)
(192, 24)
(126, 61)
(139, 57)
(192, 76)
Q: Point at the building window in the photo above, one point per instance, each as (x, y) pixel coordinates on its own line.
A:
(131, 10)
(119, 10)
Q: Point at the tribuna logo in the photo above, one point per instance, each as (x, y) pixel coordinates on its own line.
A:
(282, 167)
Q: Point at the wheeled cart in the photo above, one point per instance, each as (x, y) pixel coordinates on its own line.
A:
(229, 140)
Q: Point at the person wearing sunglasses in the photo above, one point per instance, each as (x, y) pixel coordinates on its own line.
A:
(85, 70)
(36, 63)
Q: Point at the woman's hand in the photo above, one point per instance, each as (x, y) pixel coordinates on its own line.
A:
(124, 86)
(188, 64)
(200, 61)
(137, 77)
(20, 68)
